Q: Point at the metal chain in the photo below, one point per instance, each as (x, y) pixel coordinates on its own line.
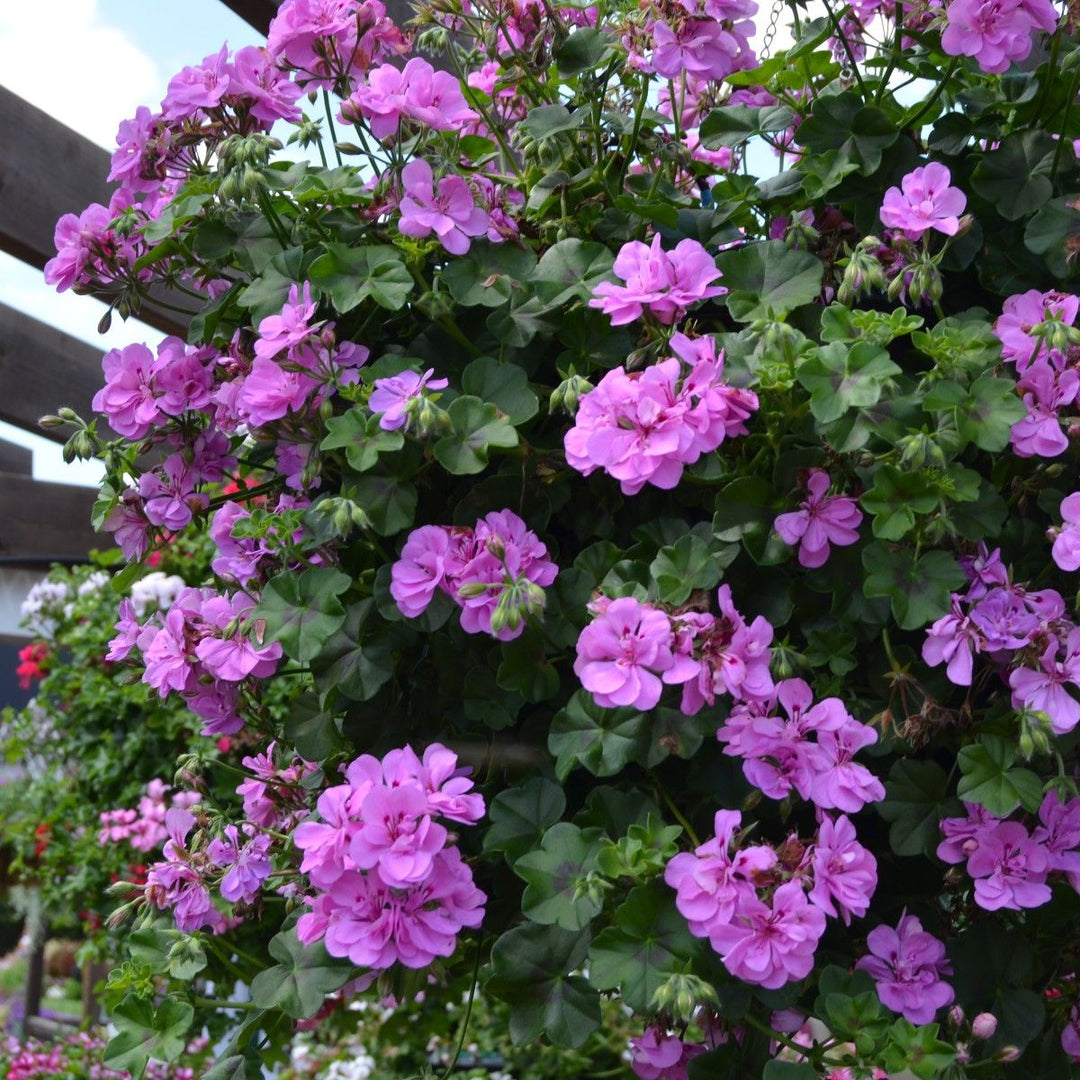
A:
(770, 30)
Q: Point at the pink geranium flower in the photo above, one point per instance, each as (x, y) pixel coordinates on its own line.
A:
(924, 201)
(622, 652)
(907, 964)
(845, 873)
(821, 520)
(666, 283)
(448, 210)
(1009, 869)
(1066, 549)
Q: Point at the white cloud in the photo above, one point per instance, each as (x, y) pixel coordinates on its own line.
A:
(62, 58)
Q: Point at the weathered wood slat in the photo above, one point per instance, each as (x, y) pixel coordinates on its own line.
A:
(257, 13)
(47, 170)
(16, 459)
(42, 368)
(42, 520)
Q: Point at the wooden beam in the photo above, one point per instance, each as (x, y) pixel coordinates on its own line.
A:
(48, 170)
(257, 13)
(16, 459)
(41, 369)
(45, 521)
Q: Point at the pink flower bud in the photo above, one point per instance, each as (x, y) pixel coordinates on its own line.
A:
(984, 1025)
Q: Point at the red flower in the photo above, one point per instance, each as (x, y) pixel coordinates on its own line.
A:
(32, 657)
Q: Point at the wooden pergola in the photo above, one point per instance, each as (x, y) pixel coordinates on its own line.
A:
(47, 170)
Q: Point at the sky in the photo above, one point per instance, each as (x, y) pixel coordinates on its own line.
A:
(105, 58)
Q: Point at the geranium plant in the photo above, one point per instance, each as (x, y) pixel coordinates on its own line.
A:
(664, 544)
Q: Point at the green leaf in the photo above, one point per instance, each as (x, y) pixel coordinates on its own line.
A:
(520, 816)
(840, 377)
(559, 875)
(530, 966)
(504, 385)
(989, 781)
(526, 669)
(915, 799)
(690, 563)
(604, 741)
(359, 435)
(181, 955)
(987, 415)
(1015, 177)
(649, 941)
(315, 732)
(788, 1070)
(388, 501)
(732, 125)
(477, 426)
(769, 279)
(350, 275)
(918, 1049)
(894, 500)
(299, 982)
(919, 589)
(302, 611)
(571, 270)
(842, 123)
(547, 120)
(1053, 233)
(489, 275)
(581, 51)
(144, 1032)
(236, 1067)
(358, 659)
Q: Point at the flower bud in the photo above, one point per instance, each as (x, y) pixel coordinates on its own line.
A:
(681, 994)
(569, 393)
(430, 420)
(1007, 1053)
(984, 1025)
(955, 1016)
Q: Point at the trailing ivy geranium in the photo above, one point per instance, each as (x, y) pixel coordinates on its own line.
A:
(662, 547)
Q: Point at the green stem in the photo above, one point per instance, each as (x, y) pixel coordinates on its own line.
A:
(1074, 85)
(678, 814)
(463, 1031)
(931, 101)
(330, 124)
(212, 1003)
(847, 49)
(754, 1022)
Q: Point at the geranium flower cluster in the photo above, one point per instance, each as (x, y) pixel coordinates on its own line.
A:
(273, 795)
(822, 519)
(1038, 337)
(1025, 633)
(809, 751)
(665, 283)
(996, 33)
(180, 882)
(418, 94)
(198, 649)
(328, 43)
(191, 398)
(389, 884)
(907, 964)
(144, 827)
(631, 650)
(646, 427)
(1009, 864)
(495, 573)
(764, 910)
